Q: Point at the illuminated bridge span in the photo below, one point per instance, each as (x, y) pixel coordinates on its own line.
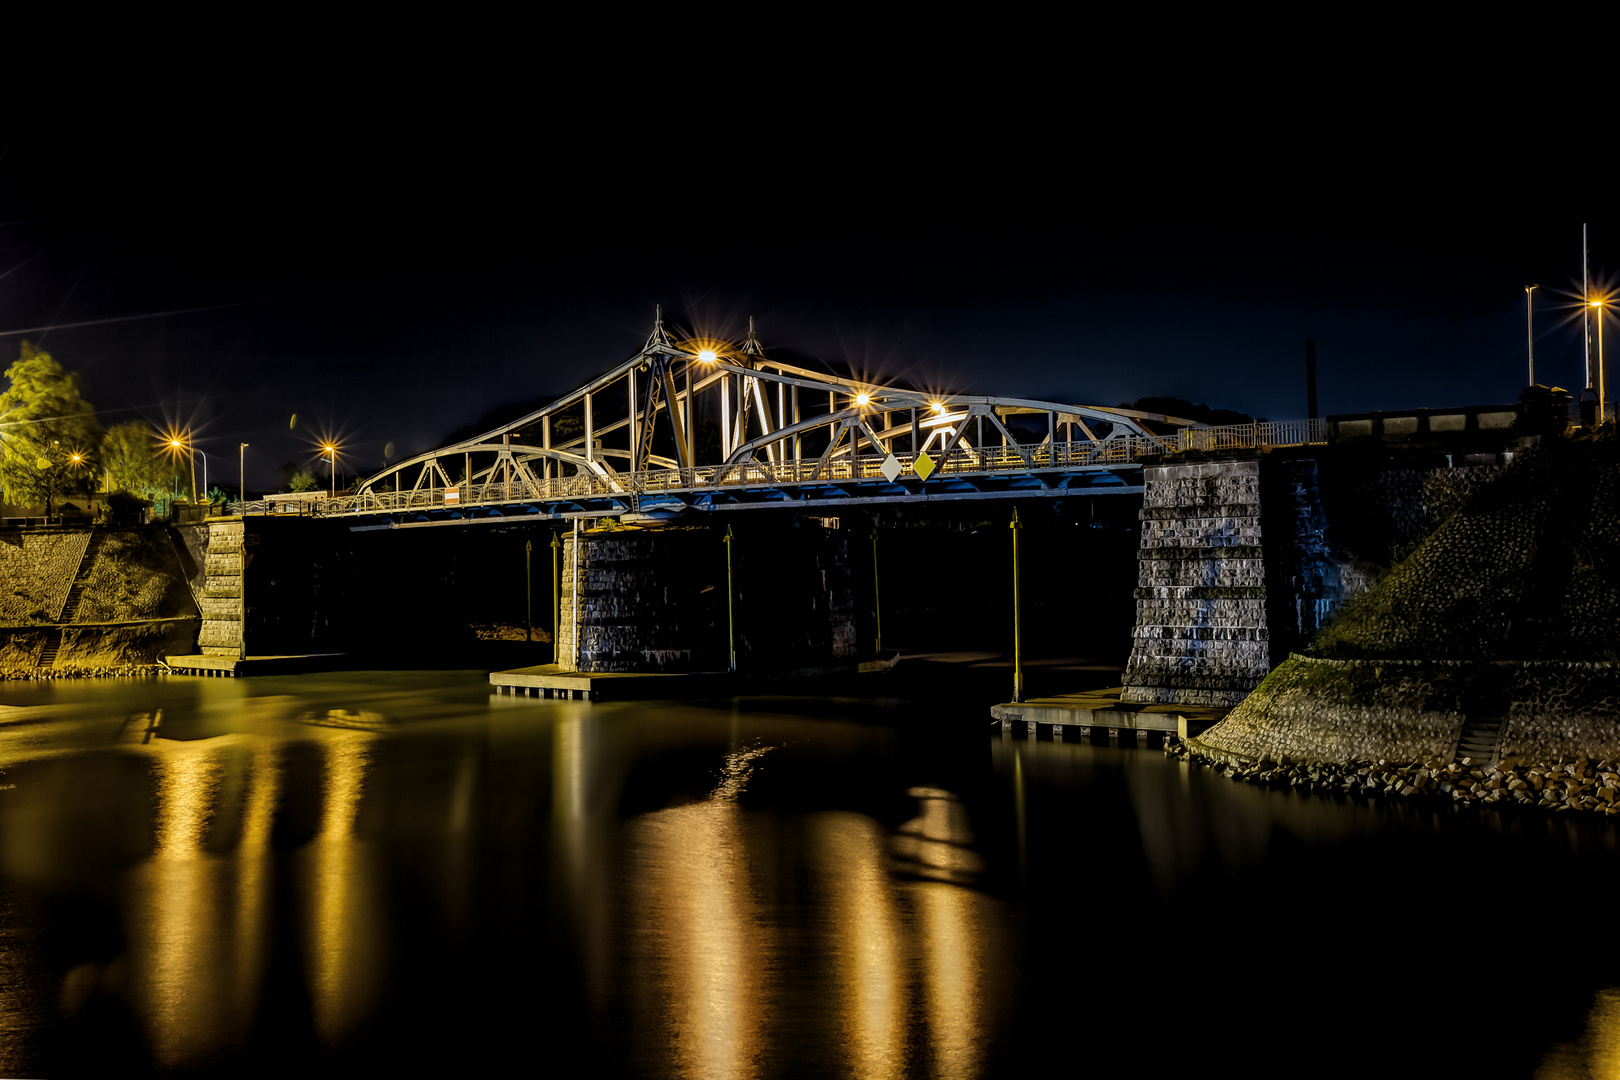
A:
(703, 425)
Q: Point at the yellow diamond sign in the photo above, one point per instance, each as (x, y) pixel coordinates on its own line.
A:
(923, 466)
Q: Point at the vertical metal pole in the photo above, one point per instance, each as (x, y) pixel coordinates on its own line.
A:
(1602, 409)
(877, 600)
(1530, 330)
(241, 476)
(691, 435)
(556, 597)
(545, 443)
(731, 621)
(1586, 318)
(1018, 643)
(725, 416)
(590, 431)
(916, 433)
(528, 591)
(798, 449)
(578, 536)
(635, 428)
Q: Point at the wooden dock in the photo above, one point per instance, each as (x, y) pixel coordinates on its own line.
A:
(1078, 714)
(230, 667)
(551, 681)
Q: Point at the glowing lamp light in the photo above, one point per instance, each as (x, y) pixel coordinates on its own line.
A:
(939, 406)
(707, 356)
(861, 399)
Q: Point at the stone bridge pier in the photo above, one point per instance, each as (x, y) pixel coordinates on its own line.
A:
(656, 600)
(1242, 561)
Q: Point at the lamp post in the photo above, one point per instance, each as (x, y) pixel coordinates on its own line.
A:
(179, 443)
(241, 476)
(329, 451)
(1601, 408)
(1529, 330)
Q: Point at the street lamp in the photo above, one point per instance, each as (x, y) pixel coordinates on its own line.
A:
(1601, 408)
(180, 443)
(329, 451)
(241, 476)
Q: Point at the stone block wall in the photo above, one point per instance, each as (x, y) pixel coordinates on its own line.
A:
(646, 601)
(1200, 636)
(221, 595)
(655, 600)
(37, 569)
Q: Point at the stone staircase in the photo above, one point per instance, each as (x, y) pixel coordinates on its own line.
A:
(70, 607)
(53, 645)
(1479, 739)
(70, 604)
(222, 599)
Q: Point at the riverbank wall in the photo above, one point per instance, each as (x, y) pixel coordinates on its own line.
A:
(1493, 642)
(91, 601)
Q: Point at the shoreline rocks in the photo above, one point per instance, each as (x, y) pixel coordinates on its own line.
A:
(1581, 784)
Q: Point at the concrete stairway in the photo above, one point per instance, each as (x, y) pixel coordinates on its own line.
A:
(221, 599)
(1479, 738)
(53, 645)
(70, 607)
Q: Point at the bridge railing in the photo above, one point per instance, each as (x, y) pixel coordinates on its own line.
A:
(1025, 457)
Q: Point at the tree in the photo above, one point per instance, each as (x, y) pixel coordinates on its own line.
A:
(303, 480)
(47, 431)
(129, 454)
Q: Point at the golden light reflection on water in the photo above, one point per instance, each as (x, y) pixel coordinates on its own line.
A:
(1597, 1055)
(577, 865)
(181, 948)
(905, 954)
(869, 942)
(707, 936)
(344, 946)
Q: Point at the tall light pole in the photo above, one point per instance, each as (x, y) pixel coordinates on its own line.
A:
(1586, 316)
(1529, 330)
(241, 476)
(330, 452)
(1601, 408)
(184, 443)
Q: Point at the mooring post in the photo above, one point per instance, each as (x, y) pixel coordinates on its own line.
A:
(877, 604)
(1018, 656)
(731, 625)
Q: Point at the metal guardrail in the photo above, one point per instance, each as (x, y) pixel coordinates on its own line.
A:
(1025, 457)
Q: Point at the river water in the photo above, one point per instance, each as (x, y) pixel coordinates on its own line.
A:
(395, 870)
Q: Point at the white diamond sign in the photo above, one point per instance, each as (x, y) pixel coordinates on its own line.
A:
(924, 465)
(892, 467)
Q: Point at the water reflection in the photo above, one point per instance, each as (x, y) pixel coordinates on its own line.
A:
(707, 946)
(343, 947)
(722, 933)
(180, 902)
(868, 941)
(1597, 1053)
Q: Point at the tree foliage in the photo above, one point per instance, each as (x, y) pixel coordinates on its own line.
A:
(43, 424)
(303, 480)
(130, 456)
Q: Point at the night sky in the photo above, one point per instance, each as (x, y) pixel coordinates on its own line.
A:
(390, 286)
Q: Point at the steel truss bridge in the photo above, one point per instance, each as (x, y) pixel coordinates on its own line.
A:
(630, 444)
